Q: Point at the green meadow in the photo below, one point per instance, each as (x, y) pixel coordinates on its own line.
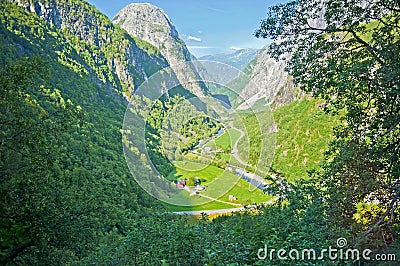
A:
(219, 185)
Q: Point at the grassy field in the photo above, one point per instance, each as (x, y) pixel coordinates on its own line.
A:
(219, 183)
(225, 141)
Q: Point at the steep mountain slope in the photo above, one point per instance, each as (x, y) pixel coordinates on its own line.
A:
(68, 191)
(152, 25)
(109, 52)
(239, 59)
(303, 132)
(270, 81)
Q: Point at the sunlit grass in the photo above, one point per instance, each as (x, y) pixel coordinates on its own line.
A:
(219, 185)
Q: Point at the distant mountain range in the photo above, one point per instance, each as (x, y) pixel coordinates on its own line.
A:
(239, 58)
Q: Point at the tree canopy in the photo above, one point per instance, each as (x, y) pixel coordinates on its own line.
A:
(347, 52)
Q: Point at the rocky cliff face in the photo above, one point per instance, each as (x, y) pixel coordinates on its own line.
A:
(150, 23)
(270, 81)
(112, 55)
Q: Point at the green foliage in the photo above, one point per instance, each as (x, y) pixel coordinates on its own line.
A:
(69, 199)
(173, 127)
(227, 240)
(302, 139)
(196, 129)
(154, 141)
(104, 48)
(65, 186)
(352, 62)
(36, 123)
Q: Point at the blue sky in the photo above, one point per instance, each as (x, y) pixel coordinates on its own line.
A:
(207, 26)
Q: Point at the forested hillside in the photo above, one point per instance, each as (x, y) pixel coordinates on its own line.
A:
(104, 49)
(68, 197)
(347, 53)
(65, 186)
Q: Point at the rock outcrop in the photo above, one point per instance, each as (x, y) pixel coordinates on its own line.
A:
(151, 24)
(111, 54)
(269, 81)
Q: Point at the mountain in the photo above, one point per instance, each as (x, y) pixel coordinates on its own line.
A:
(151, 24)
(68, 197)
(108, 52)
(270, 84)
(66, 188)
(239, 58)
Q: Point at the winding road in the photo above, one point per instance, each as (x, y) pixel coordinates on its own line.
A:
(234, 148)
